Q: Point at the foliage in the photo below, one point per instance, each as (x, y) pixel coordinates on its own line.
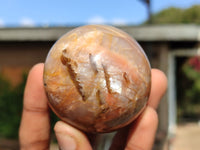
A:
(190, 102)
(10, 107)
(192, 71)
(174, 15)
(11, 103)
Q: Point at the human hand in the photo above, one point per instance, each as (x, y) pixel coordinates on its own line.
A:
(34, 130)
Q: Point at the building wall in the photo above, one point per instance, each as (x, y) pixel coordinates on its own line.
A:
(19, 57)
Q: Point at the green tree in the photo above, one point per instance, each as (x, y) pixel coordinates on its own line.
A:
(189, 102)
(11, 103)
(175, 15)
(10, 107)
(191, 15)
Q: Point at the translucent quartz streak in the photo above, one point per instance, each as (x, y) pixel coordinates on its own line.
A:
(97, 79)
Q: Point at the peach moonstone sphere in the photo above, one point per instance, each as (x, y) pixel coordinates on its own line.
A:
(97, 78)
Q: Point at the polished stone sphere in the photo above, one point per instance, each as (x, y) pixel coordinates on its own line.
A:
(97, 78)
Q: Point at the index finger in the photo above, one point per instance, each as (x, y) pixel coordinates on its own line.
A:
(34, 130)
(158, 87)
(142, 132)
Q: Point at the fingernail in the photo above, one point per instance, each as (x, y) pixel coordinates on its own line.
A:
(66, 142)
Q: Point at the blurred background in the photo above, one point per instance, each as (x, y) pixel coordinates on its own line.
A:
(168, 31)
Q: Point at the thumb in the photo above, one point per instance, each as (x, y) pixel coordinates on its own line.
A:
(69, 138)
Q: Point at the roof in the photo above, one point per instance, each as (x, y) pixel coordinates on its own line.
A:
(140, 33)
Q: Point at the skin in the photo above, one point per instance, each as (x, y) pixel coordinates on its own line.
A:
(34, 132)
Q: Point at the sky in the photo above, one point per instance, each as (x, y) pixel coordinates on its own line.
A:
(30, 13)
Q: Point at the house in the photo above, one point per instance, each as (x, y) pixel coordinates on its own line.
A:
(21, 48)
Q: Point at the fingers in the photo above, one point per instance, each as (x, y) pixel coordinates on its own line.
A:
(142, 134)
(70, 138)
(35, 128)
(158, 87)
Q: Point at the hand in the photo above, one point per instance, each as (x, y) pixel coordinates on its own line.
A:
(34, 130)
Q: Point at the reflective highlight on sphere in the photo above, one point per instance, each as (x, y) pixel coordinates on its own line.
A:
(97, 78)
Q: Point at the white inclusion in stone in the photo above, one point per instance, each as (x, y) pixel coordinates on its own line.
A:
(136, 98)
(97, 58)
(115, 85)
(54, 98)
(102, 82)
